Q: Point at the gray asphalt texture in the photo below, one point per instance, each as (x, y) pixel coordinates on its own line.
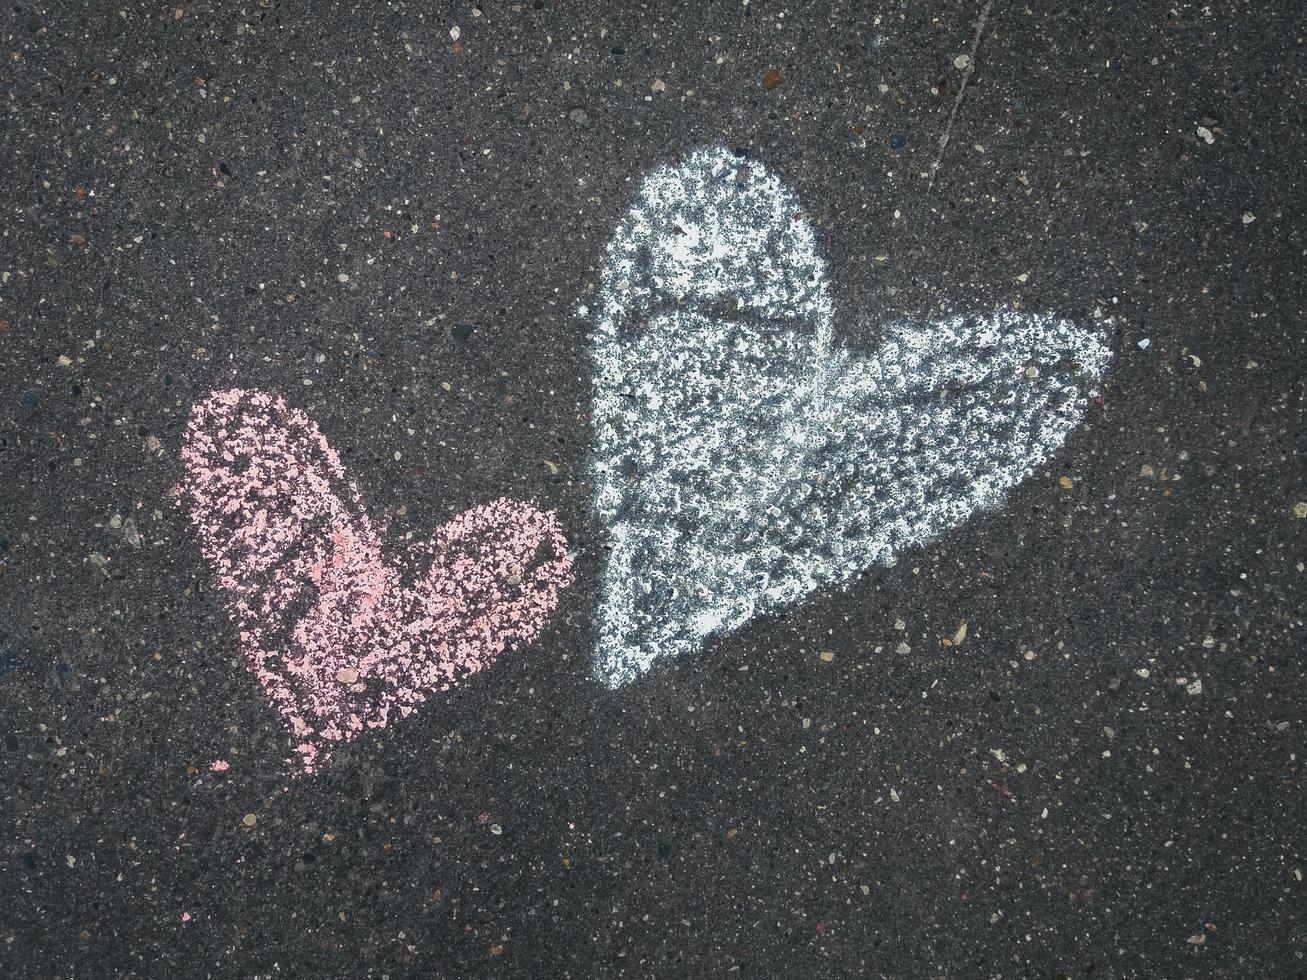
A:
(1105, 778)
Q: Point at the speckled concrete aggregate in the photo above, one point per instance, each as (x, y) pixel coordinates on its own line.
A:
(1067, 740)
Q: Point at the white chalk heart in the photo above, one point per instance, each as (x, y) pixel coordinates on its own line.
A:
(742, 458)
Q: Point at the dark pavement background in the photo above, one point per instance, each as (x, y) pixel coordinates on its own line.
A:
(1105, 778)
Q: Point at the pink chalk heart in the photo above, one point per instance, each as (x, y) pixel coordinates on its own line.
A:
(343, 637)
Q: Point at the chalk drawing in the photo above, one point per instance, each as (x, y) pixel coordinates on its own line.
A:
(342, 637)
(742, 458)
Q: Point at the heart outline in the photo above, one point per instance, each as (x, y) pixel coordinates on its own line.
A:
(335, 637)
(714, 349)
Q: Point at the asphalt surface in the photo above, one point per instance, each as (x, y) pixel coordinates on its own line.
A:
(1104, 778)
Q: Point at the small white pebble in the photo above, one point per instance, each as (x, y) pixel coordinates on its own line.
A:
(455, 33)
(962, 62)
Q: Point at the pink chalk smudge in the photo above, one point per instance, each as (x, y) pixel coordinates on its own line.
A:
(219, 765)
(342, 637)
